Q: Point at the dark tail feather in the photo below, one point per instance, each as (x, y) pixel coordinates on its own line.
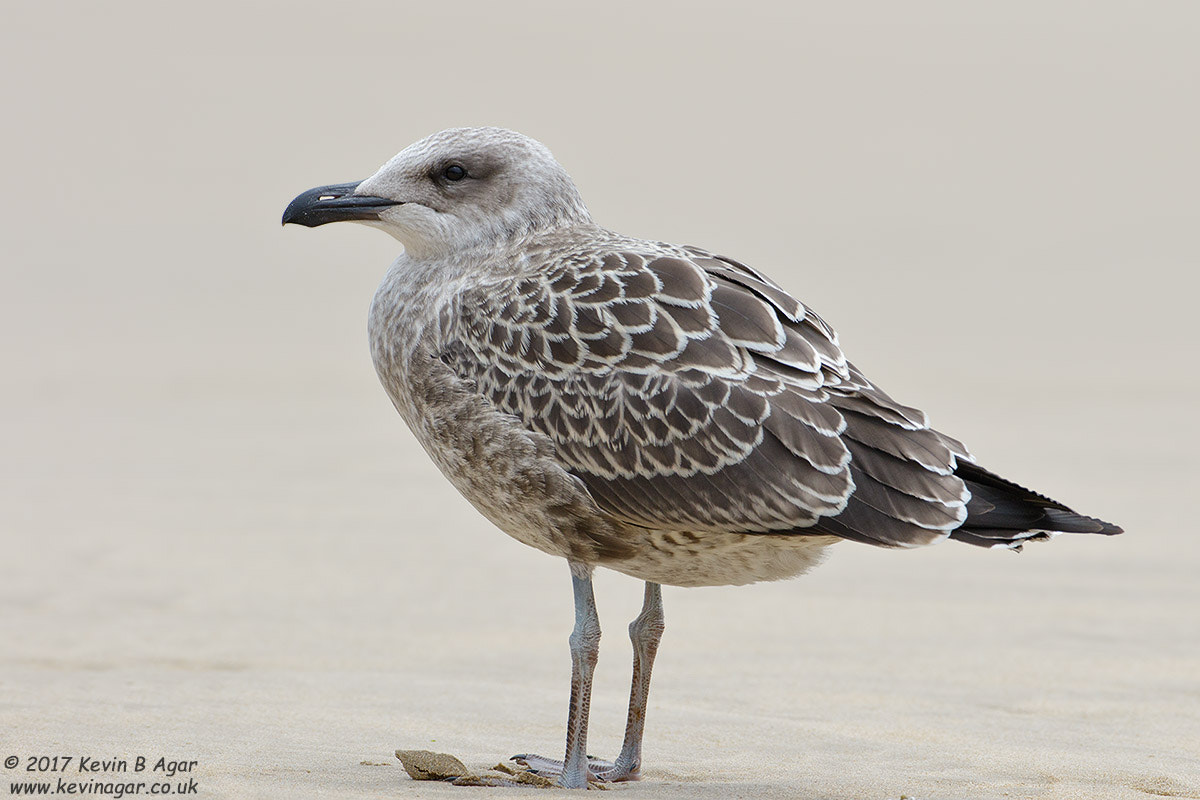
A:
(1004, 514)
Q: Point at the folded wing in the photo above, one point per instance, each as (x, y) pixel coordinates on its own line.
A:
(689, 392)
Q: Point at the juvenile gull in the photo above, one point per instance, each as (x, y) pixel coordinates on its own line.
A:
(659, 410)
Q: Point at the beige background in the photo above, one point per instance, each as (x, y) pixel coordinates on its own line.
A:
(219, 541)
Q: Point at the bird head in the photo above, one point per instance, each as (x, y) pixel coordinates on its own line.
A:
(453, 190)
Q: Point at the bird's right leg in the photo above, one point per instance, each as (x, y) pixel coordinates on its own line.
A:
(645, 632)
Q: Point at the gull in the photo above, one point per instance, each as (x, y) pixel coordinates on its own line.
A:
(659, 410)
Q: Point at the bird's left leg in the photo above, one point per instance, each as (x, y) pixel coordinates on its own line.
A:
(573, 771)
(585, 650)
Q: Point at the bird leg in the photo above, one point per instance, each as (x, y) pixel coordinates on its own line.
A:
(585, 649)
(645, 632)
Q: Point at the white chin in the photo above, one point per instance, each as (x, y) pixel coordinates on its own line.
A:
(380, 225)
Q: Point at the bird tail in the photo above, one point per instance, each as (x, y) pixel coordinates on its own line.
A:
(1001, 513)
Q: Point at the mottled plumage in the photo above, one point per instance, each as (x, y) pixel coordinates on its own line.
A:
(661, 410)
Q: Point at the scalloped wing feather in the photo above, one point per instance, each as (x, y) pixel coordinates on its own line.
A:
(689, 392)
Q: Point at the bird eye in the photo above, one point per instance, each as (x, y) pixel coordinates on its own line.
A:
(454, 172)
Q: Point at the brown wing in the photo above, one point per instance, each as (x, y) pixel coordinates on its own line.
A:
(689, 392)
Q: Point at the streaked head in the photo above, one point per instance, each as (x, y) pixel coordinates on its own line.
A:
(455, 189)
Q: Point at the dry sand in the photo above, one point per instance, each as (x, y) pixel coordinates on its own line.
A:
(219, 542)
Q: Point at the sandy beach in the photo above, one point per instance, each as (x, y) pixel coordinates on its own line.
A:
(221, 544)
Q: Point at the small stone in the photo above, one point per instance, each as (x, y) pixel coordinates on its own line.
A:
(481, 780)
(424, 765)
(533, 779)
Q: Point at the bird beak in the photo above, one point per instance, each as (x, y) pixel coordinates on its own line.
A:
(336, 203)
